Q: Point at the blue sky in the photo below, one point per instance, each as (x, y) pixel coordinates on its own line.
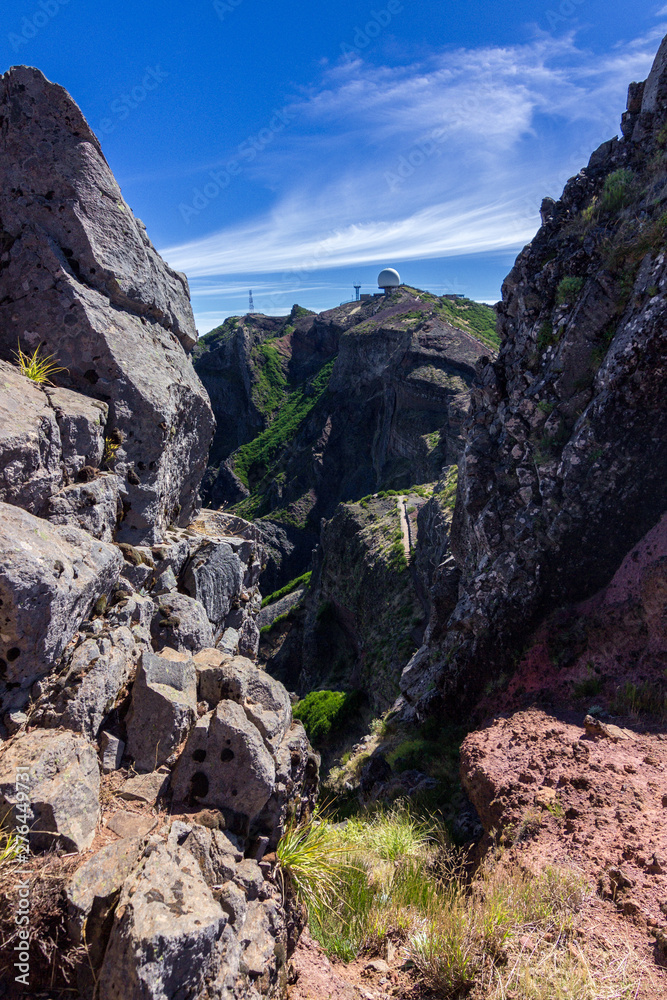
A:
(296, 148)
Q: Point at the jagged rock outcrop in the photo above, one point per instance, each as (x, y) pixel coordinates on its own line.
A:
(106, 561)
(164, 707)
(80, 279)
(331, 407)
(50, 578)
(564, 466)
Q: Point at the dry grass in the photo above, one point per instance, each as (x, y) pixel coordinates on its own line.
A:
(53, 957)
(503, 935)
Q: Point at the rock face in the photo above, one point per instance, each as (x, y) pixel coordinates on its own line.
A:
(47, 436)
(363, 615)
(49, 579)
(166, 931)
(190, 937)
(164, 706)
(225, 764)
(105, 559)
(62, 785)
(318, 409)
(564, 466)
(81, 279)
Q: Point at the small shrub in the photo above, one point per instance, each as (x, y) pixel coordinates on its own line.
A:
(10, 848)
(112, 443)
(325, 712)
(568, 290)
(649, 698)
(36, 366)
(546, 336)
(589, 687)
(618, 191)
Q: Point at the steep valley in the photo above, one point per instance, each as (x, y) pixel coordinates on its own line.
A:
(383, 712)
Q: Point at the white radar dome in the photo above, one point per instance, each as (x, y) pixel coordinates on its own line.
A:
(389, 278)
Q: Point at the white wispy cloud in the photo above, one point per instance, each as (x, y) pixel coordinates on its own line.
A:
(443, 157)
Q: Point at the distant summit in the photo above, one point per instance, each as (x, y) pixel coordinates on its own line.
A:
(315, 409)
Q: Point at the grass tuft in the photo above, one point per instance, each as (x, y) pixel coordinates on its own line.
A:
(36, 366)
(311, 863)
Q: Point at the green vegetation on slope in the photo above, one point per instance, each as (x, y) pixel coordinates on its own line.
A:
(299, 581)
(270, 387)
(254, 460)
(325, 713)
(475, 318)
(391, 876)
(215, 337)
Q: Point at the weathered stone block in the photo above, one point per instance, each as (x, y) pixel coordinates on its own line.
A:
(165, 940)
(164, 706)
(225, 764)
(62, 788)
(214, 576)
(181, 622)
(50, 577)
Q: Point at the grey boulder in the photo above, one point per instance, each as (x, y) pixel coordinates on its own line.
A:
(83, 696)
(93, 891)
(214, 577)
(295, 791)
(96, 506)
(62, 785)
(167, 934)
(225, 764)
(50, 577)
(164, 707)
(264, 700)
(47, 436)
(181, 623)
(146, 788)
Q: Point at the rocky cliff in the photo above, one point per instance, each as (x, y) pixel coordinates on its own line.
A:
(80, 279)
(564, 465)
(158, 763)
(315, 410)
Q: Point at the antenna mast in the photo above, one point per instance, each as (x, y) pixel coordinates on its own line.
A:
(357, 289)
(252, 304)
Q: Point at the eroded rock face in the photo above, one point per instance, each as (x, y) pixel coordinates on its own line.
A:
(164, 705)
(47, 436)
(264, 700)
(100, 299)
(167, 932)
(225, 764)
(564, 467)
(63, 787)
(50, 577)
(85, 693)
